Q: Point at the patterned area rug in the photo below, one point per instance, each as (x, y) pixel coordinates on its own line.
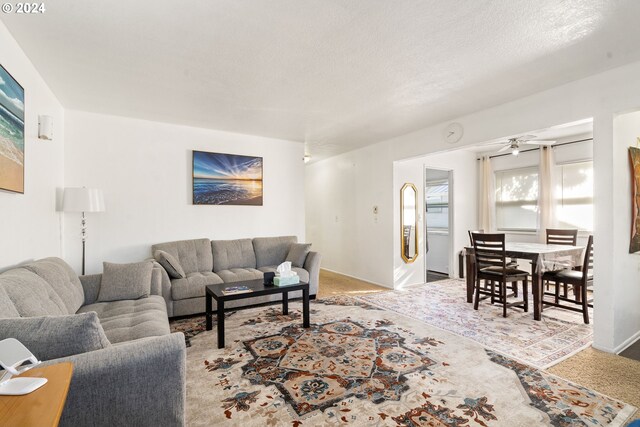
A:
(560, 333)
(360, 365)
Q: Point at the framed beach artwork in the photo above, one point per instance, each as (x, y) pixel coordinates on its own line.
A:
(11, 133)
(226, 179)
(634, 162)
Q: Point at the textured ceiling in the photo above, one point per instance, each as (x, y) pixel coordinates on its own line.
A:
(334, 74)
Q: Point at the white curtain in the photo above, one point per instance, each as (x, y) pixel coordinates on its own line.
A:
(487, 199)
(546, 193)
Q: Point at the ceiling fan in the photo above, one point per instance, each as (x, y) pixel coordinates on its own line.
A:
(514, 144)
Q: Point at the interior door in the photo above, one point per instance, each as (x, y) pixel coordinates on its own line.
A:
(437, 218)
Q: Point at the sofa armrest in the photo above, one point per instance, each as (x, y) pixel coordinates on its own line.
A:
(165, 286)
(91, 286)
(141, 383)
(312, 265)
(156, 279)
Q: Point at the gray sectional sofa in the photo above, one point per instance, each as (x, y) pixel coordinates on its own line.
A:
(128, 369)
(205, 262)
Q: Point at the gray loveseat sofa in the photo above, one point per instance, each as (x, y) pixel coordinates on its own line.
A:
(205, 262)
(128, 369)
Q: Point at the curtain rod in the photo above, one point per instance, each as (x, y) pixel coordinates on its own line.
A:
(536, 149)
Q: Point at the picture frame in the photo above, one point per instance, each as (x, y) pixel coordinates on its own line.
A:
(634, 163)
(12, 139)
(227, 179)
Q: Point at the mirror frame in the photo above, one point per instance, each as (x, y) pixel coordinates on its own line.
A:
(405, 258)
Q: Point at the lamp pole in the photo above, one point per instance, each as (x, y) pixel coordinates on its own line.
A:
(83, 200)
(84, 238)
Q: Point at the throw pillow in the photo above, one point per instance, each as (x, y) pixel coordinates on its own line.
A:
(298, 254)
(125, 281)
(52, 337)
(170, 263)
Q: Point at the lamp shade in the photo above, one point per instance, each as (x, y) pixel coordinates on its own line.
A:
(83, 200)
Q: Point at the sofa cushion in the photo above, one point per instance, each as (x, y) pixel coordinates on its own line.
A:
(52, 337)
(302, 273)
(272, 250)
(63, 280)
(193, 285)
(239, 274)
(228, 254)
(125, 281)
(170, 263)
(31, 295)
(7, 309)
(298, 253)
(193, 255)
(131, 319)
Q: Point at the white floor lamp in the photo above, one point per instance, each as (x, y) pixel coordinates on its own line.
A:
(83, 200)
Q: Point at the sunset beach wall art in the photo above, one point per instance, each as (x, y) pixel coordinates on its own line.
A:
(226, 179)
(11, 133)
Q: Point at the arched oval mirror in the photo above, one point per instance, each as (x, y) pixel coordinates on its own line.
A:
(409, 223)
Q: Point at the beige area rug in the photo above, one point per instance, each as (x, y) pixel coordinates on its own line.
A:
(360, 365)
(560, 333)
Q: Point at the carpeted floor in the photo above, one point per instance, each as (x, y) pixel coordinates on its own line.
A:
(612, 375)
(361, 365)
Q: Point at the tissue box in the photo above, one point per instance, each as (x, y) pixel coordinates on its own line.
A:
(286, 281)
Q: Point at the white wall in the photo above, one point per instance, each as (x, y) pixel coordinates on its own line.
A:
(368, 251)
(464, 166)
(145, 171)
(30, 226)
(339, 203)
(626, 128)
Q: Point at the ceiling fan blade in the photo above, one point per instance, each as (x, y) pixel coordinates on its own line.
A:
(540, 142)
(505, 148)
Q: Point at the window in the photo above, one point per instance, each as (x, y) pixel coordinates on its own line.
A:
(517, 199)
(575, 201)
(437, 201)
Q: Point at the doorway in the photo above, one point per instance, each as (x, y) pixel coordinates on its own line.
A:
(438, 223)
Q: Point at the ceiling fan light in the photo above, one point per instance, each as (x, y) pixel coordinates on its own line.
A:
(515, 151)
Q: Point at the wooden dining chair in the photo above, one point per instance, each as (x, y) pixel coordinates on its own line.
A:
(513, 263)
(562, 236)
(581, 280)
(491, 266)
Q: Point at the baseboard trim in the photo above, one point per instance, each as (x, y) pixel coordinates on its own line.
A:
(605, 349)
(627, 343)
(356, 277)
(619, 348)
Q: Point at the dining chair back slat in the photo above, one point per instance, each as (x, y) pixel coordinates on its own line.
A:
(560, 236)
(489, 249)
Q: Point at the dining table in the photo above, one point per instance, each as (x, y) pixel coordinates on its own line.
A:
(544, 257)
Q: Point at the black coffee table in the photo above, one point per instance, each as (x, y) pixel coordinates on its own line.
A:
(258, 289)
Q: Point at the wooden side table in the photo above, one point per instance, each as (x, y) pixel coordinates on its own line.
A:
(44, 406)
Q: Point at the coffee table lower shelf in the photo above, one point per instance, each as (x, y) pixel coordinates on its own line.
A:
(214, 292)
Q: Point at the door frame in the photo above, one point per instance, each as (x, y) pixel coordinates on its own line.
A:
(451, 254)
